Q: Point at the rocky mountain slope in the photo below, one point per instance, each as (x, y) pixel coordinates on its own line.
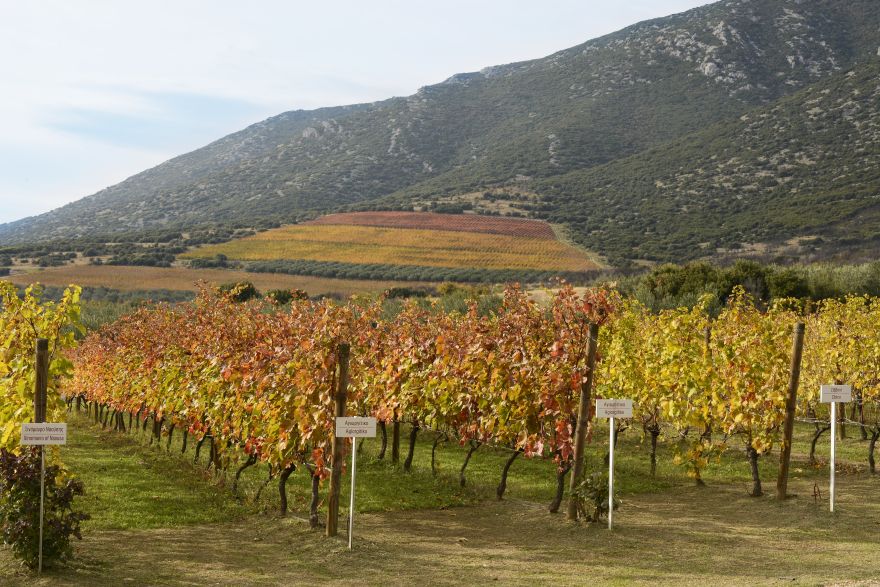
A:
(552, 127)
(805, 168)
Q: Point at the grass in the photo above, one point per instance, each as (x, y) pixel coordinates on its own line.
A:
(159, 519)
(129, 486)
(401, 246)
(185, 279)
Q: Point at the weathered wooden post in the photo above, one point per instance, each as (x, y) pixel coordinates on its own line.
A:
(583, 420)
(42, 380)
(797, 349)
(342, 355)
(41, 385)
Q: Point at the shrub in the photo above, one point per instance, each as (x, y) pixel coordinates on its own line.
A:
(20, 508)
(241, 291)
(592, 496)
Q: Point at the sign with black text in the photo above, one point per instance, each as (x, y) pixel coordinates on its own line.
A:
(614, 408)
(43, 434)
(347, 427)
(835, 393)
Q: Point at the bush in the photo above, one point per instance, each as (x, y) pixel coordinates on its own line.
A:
(408, 292)
(20, 508)
(240, 291)
(285, 296)
(592, 496)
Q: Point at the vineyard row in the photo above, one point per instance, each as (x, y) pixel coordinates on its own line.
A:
(260, 383)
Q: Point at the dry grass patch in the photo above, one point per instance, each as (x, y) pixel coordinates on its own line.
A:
(185, 279)
(711, 536)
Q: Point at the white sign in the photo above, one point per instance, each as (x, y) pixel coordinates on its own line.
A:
(614, 408)
(835, 393)
(43, 434)
(355, 427)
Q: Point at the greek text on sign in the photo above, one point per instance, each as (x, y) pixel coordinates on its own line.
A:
(43, 434)
(835, 393)
(614, 408)
(355, 427)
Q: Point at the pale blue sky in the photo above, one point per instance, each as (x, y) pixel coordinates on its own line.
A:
(94, 91)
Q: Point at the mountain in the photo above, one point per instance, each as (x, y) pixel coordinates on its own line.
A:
(558, 136)
(801, 174)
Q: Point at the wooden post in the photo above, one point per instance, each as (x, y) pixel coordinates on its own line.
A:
(342, 355)
(41, 385)
(797, 349)
(582, 422)
(395, 439)
(42, 380)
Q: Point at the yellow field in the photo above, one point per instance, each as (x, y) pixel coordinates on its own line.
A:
(184, 279)
(401, 246)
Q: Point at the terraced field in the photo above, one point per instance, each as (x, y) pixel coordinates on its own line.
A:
(387, 240)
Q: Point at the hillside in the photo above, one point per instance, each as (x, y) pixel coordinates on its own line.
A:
(525, 123)
(805, 168)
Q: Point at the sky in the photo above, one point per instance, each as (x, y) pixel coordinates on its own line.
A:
(94, 91)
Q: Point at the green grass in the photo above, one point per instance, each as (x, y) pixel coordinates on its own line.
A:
(151, 486)
(128, 485)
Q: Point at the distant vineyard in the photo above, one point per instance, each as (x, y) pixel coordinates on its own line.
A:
(521, 227)
(405, 245)
(402, 246)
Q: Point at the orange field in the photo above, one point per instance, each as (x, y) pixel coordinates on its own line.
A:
(184, 279)
(364, 244)
(449, 222)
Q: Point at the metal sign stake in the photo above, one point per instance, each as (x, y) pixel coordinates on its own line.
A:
(42, 503)
(354, 428)
(611, 409)
(354, 452)
(42, 434)
(833, 439)
(832, 394)
(611, 474)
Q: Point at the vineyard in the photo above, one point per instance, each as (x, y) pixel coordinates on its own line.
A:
(254, 383)
(413, 246)
(401, 246)
(522, 227)
(23, 319)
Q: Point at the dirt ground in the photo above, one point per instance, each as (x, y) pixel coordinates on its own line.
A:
(711, 536)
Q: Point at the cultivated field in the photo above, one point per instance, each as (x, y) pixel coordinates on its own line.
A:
(402, 246)
(185, 279)
(521, 227)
